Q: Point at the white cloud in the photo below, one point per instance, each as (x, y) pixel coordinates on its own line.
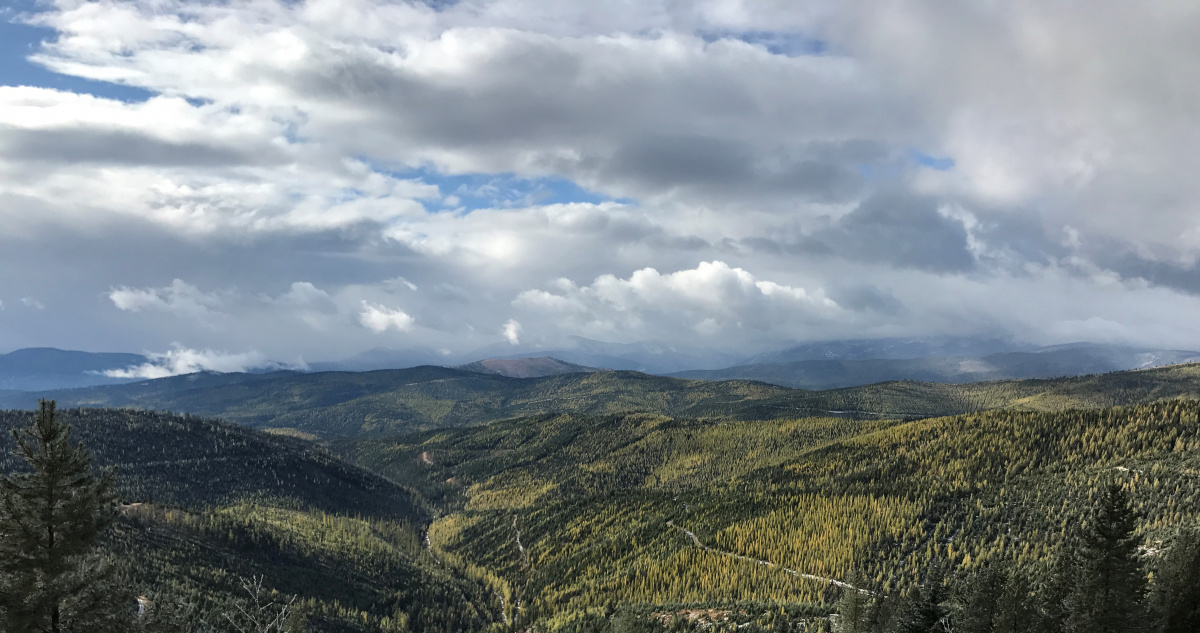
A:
(34, 304)
(711, 298)
(303, 293)
(310, 304)
(180, 298)
(512, 332)
(379, 319)
(346, 143)
(292, 99)
(182, 360)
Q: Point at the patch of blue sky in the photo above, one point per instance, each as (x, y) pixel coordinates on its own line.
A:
(900, 164)
(18, 41)
(881, 171)
(940, 163)
(469, 192)
(789, 44)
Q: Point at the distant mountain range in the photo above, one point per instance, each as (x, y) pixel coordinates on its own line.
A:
(526, 367)
(850, 369)
(355, 404)
(888, 349)
(387, 358)
(816, 365)
(823, 365)
(647, 356)
(45, 368)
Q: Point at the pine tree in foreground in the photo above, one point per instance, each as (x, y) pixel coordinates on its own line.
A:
(1015, 609)
(925, 610)
(980, 600)
(50, 518)
(1109, 581)
(1176, 594)
(853, 608)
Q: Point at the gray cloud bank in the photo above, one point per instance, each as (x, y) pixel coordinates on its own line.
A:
(290, 192)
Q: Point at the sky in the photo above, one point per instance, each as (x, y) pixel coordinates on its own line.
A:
(235, 181)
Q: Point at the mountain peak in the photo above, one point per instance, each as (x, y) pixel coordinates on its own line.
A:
(526, 367)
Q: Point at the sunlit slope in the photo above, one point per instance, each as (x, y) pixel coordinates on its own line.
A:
(381, 402)
(603, 505)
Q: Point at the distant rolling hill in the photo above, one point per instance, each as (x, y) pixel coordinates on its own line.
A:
(43, 368)
(888, 349)
(646, 356)
(538, 367)
(1050, 362)
(346, 404)
(651, 357)
(342, 404)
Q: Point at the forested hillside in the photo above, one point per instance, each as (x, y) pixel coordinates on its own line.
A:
(206, 504)
(624, 500)
(581, 514)
(342, 404)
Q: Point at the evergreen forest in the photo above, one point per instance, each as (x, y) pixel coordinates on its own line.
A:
(615, 501)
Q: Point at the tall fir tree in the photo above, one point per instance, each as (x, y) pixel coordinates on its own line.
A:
(1176, 595)
(1016, 612)
(925, 611)
(1109, 581)
(1053, 594)
(979, 600)
(50, 519)
(853, 608)
(885, 611)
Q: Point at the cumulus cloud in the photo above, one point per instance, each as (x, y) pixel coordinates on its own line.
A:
(711, 298)
(280, 89)
(303, 293)
(180, 298)
(897, 230)
(371, 148)
(205, 168)
(182, 360)
(379, 319)
(512, 332)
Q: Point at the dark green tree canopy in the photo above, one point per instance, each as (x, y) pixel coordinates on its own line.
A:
(1176, 596)
(1110, 582)
(50, 518)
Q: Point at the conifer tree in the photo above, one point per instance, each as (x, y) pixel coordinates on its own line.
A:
(925, 612)
(1054, 593)
(50, 518)
(884, 611)
(1176, 594)
(1110, 584)
(980, 601)
(853, 608)
(1015, 610)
